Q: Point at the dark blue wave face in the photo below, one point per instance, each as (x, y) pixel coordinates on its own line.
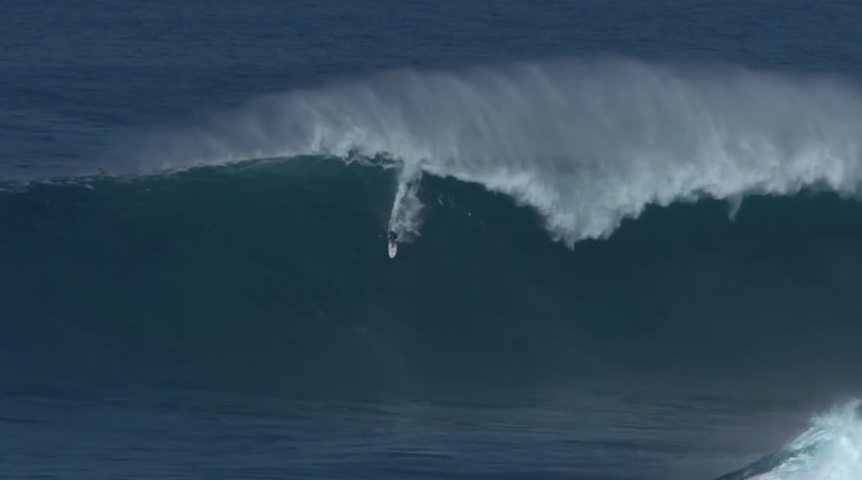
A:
(150, 295)
(279, 271)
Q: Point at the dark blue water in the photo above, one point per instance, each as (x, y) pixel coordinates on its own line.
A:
(629, 240)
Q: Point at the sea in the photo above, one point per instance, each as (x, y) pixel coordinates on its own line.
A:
(629, 240)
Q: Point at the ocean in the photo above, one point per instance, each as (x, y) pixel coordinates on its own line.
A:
(629, 240)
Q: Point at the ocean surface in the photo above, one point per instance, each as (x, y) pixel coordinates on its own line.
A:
(630, 240)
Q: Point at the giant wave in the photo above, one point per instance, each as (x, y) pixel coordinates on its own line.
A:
(272, 277)
(586, 143)
(267, 275)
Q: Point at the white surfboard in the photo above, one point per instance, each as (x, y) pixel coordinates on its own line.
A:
(393, 249)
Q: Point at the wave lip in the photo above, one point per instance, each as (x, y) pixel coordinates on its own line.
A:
(585, 143)
(831, 449)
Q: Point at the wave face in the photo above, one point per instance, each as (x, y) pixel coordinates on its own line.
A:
(238, 275)
(831, 449)
(585, 143)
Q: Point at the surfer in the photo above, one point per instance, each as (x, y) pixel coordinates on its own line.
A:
(392, 246)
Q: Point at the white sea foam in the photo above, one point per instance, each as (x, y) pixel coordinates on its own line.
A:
(406, 208)
(585, 143)
(830, 450)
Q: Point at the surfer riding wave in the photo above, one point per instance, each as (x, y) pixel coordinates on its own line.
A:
(393, 245)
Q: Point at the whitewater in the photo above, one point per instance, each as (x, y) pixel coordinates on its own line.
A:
(831, 449)
(586, 143)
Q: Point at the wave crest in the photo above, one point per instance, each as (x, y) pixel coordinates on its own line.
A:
(585, 143)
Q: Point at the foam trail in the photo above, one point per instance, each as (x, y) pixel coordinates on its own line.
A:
(830, 450)
(404, 219)
(585, 143)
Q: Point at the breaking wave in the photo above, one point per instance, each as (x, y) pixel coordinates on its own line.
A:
(830, 450)
(585, 143)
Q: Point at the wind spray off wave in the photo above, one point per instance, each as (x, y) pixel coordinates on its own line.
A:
(585, 143)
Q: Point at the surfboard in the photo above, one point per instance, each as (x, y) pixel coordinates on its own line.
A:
(393, 249)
